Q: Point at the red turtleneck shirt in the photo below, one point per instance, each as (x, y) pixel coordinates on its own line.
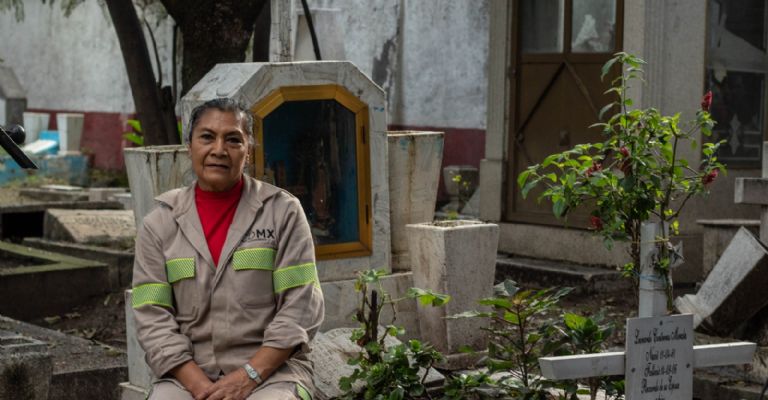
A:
(216, 211)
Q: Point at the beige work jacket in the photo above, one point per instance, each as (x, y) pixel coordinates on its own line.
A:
(264, 291)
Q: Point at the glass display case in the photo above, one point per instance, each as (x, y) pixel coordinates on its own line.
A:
(313, 142)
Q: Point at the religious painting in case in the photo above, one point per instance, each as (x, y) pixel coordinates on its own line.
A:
(312, 141)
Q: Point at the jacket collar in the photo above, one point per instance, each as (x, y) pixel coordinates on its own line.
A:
(182, 204)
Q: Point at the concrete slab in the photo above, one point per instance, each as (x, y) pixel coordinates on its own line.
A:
(545, 273)
(36, 283)
(24, 218)
(716, 235)
(82, 369)
(25, 367)
(119, 262)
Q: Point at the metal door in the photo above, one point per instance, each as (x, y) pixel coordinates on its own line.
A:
(559, 47)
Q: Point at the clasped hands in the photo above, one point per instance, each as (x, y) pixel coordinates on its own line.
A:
(233, 386)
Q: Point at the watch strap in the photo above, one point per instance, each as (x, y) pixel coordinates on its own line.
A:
(253, 374)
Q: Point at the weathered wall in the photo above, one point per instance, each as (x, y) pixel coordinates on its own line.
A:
(429, 56)
(71, 63)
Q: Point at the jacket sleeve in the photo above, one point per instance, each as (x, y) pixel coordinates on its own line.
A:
(300, 307)
(152, 302)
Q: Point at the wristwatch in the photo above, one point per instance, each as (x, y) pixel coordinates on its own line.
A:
(253, 374)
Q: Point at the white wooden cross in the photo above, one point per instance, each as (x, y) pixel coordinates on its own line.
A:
(660, 357)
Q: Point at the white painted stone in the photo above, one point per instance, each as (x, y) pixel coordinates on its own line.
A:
(331, 351)
(341, 302)
(652, 286)
(70, 127)
(414, 172)
(716, 234)
(35, 122)
(95, 227)
(457, 258)
(139, 374)
(153, 170)
(733, 291)
(251, 82)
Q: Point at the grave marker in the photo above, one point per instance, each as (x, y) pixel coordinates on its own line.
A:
(660, 357)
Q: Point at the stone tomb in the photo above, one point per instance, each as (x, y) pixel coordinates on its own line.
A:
(35, 283)
(94, 227)
(320, 129)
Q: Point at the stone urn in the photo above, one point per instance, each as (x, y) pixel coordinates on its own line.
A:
(414, 174)
(456, 257)
(153, 170)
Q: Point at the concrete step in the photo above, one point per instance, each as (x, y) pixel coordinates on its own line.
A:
(82, 369)
(531, 272)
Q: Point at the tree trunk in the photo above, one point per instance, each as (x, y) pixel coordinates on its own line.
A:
(212, 32)
(154, 112)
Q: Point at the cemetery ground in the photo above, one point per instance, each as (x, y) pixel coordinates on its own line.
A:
(99, 320)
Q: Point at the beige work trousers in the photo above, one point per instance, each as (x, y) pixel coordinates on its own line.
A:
(167, 390)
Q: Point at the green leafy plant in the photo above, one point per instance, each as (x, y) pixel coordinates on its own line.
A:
(136, 134)
(586, 335)
(388, 372)
(519, 335)
(636, 174)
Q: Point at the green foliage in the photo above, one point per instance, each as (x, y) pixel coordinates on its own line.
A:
(585, 335)
(387, 372)
(136, 134)
(635, 174)
(518, 337)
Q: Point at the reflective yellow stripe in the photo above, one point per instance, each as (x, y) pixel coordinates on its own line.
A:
(303, 392)
(152, 293)
(180, 268)
(297, 275)
(255, 258)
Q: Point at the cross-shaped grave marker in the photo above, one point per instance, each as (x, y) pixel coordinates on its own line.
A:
(660, 356)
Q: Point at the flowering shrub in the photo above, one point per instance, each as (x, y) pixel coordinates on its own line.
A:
(635, 175)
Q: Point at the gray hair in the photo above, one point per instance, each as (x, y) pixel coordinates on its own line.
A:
(224, 104)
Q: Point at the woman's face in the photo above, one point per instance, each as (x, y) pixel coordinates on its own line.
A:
(218, 149)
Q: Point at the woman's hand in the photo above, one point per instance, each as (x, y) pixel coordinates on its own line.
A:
(234, 386)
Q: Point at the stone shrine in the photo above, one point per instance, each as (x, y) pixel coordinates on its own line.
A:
(320, 129)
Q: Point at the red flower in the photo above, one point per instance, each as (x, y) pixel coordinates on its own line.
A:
(596, 167)
(710, 177)
(595, 222)
(706, 101)
(624, 151)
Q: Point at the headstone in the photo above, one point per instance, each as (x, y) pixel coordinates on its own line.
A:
(13, 98)
(733, 291)
(70, 126)
(659, 358)
(331, 351)
(96, 227)
(34, 123)
(25, 367)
